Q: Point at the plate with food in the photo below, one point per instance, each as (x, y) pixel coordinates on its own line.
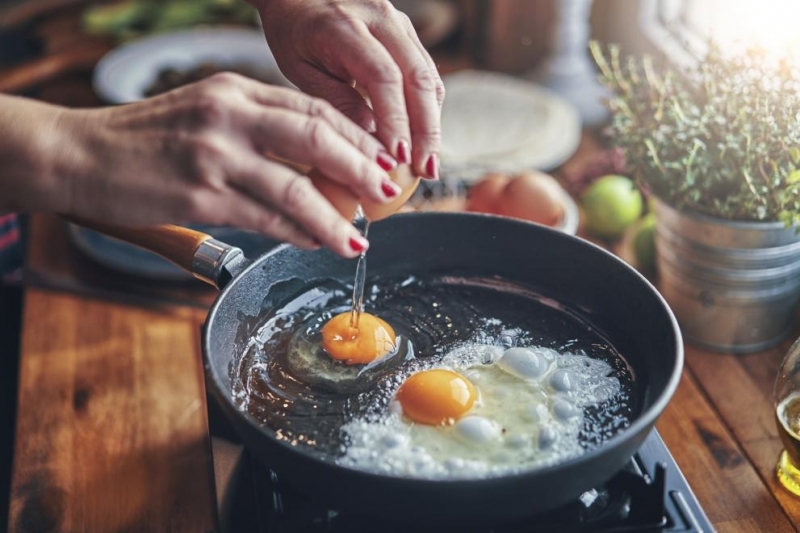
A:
(161, 62)
(496, 122)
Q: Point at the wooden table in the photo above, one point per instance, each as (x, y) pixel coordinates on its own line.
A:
(112, 430)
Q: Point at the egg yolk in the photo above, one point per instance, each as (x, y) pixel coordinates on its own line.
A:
(436, 397)
(371, 340)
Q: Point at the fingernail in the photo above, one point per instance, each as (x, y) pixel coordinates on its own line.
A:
(386, 161)
(390, 189)
(358, 244)
(432, 167)
(403, 152)
(316, 242)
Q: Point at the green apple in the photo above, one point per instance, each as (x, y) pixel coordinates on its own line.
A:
(611, 204)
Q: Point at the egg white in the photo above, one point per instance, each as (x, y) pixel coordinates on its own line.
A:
(529, 414)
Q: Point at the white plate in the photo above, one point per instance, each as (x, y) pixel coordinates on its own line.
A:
(125, 73)
(494, 122)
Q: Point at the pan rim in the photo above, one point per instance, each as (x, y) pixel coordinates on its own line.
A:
(644, 421)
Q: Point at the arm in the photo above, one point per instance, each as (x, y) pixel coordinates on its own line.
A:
(193, 155)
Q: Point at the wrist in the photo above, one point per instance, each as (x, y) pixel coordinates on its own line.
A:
(28, 154)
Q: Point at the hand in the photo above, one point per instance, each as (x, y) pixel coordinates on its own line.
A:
(325, 47)
(195, 155)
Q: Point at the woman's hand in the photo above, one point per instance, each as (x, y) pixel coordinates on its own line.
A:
(327, 46)
(196, 154)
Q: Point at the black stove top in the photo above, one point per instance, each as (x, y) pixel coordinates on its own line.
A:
(649, 495)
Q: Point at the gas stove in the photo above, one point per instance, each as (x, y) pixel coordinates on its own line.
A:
(649, 495)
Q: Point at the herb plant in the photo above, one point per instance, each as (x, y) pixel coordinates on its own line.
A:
(720, 138)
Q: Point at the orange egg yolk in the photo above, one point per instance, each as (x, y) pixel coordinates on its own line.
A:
(436, 397)
(371, 340)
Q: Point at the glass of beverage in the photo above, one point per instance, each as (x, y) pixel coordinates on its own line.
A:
(787, 413)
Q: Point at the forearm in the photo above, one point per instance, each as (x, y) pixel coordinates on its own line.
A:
(34, 150)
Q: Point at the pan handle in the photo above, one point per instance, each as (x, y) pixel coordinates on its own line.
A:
(206, 258)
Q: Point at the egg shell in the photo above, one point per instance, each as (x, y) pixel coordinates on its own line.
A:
(533, 196)
(346, 202)
(340, 197)
(405, 178)
(484, 196)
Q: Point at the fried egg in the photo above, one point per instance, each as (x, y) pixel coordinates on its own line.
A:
(327, 353)
(370, 339)
(481, 411)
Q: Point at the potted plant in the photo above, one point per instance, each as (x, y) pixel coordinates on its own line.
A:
(717, 145)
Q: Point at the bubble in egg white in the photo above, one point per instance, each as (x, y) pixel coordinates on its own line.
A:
(564, 410)
(562, 380)
(536, 413)
(547, 437)
(477, 430)
(523, 363)
(472, 354)
(393, 440)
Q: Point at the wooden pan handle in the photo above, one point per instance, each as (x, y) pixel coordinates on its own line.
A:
(175, 243)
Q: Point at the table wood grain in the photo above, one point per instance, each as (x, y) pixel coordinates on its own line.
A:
(112, 432)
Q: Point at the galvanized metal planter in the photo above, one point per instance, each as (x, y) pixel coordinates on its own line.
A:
(733, 285)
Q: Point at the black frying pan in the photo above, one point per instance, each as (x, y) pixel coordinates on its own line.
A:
(598, 285)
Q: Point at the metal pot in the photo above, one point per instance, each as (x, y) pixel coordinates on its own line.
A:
(733, 285)
(595, 284)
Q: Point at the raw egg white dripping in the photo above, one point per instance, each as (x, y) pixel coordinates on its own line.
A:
(483, 411)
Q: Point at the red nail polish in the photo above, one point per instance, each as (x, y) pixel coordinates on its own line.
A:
(386, 162)
(403, 152)
(389, 189)
(432, 167)
(358, 244)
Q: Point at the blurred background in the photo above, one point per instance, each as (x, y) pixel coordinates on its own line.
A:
(522, 89)
(511, 36)
(523, 94)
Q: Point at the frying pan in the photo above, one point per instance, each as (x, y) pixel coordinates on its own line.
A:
(601, 288)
